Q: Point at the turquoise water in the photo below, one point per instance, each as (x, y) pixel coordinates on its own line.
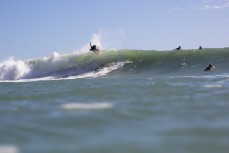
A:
(127, 101)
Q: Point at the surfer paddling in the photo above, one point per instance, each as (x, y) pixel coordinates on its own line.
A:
(209, 68)
(94, 48)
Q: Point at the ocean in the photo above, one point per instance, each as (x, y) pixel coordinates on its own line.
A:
(123, 101)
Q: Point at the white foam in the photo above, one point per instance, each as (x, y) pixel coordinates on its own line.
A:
(86, 106)
(211, 86)
(17, 70)
(8, 149)
(101, 72)
(111, 67)
(13, 69)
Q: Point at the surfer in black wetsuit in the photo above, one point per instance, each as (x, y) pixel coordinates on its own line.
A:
(93, 48)
(178, 48)
(200, 48)
(209, 68)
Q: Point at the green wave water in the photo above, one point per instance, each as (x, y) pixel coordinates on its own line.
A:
(133, 61)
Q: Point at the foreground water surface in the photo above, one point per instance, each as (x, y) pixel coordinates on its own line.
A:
(116, 114)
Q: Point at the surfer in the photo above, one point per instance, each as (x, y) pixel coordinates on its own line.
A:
(93, 48)
(178, 48)
(200, 48)
(209, 68)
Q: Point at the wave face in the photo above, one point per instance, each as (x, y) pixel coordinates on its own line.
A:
(115, 62)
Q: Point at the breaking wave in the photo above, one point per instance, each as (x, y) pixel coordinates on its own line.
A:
(119, 62)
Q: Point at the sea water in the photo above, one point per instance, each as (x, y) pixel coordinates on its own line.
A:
(127, 101)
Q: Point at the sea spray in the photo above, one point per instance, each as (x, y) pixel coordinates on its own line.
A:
(104, 40)
(111, 40)
(95, 40)
(13, 69)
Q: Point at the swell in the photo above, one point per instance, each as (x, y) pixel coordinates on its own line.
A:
(175, 62)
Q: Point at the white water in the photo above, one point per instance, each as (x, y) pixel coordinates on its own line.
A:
(13, 69)
(86, 106)
(17, 69)
(101, 72)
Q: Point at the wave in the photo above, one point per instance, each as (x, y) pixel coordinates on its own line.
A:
(59, 66)
(114, 62)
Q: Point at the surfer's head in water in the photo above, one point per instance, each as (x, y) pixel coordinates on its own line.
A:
(209, 68)
(93, 48)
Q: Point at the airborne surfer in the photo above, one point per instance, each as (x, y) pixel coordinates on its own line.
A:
(94, 48)
(178, 48)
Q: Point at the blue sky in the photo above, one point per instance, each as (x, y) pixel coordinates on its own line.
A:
(36, 28)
